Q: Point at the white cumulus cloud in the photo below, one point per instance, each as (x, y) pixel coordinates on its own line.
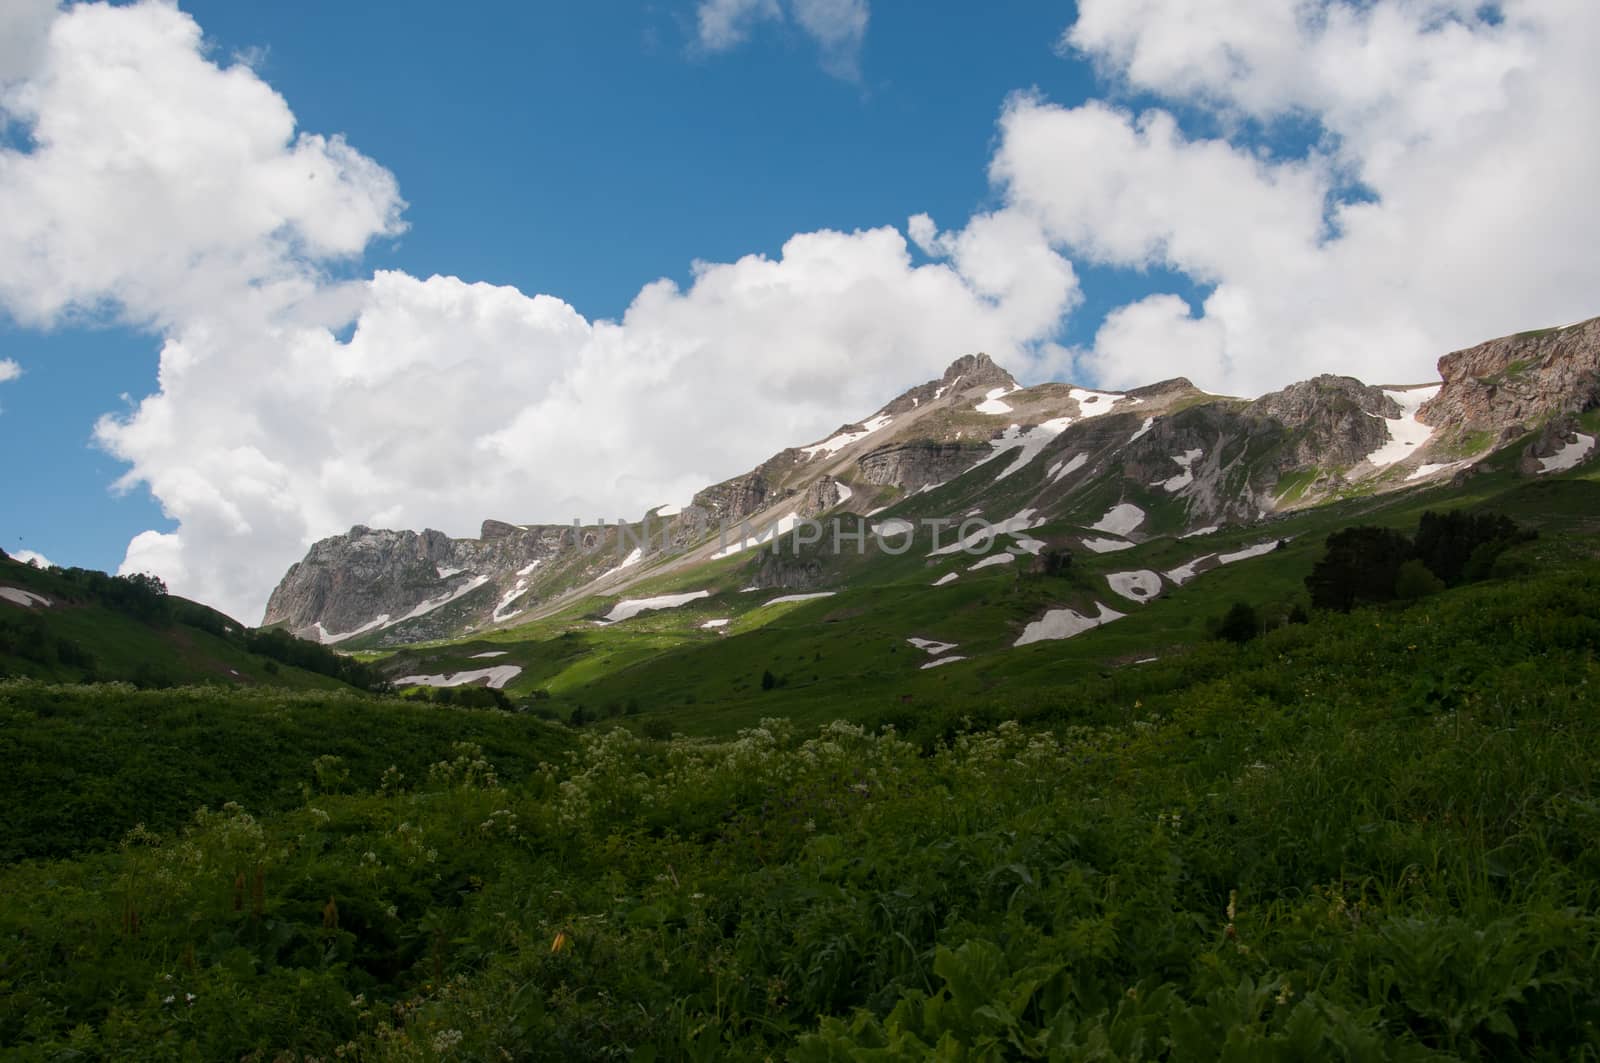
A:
(1446, 196)
(165, 190)
(9, 369)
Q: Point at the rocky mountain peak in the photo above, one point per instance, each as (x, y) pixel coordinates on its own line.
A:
(976, 370)
(1510, 383)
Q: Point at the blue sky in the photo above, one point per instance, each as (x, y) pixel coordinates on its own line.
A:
(579, 149)
(1119, 192)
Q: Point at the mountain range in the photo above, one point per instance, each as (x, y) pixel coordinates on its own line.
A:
(1103, 471)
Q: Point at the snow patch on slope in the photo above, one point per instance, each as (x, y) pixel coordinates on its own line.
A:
(801, 597)
(844, 439)
(991, 402)
(26, 599)
(1140, 586)
(632, 607)
(1568, 456)
(1119, 519)
(1406, 433)
(1065, 623)
(992, 560)
(328, 638)
(1063, 469)
(498, 677)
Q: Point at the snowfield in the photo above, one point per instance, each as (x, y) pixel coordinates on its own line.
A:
(1406, 433)
(1149, 422)
(1063, 469)
(784, 526)
(498, 677)
(991, 561)
(942, 660)
(327, 638)
(1023, 521)
(949, 577)
(632, 607)
(712, 625)
(1183, 479)
(1093, 403)
(932, 648)
(844, 439)
(1119, 519)
(487, 656)
(634, 557)
(800, 597)
(1568, 456)
(991, 402)
(1248, 552)
(1028, 444)
(436, 603)
(1064, 624)
(528, 568)
(843, 493)
(1428, 470)
(1186, 572)
(501, 613)
(1140, 586)
(26, 599)
(1107, 546)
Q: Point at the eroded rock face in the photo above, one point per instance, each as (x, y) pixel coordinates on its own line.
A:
(1331, 420)
(913, 466)
(1510, 384)
(346, 582)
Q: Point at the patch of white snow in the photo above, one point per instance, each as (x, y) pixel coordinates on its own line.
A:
(991, 403)
(632, 607)
(1064, 624)
(992, 560)
(844, 439)
(1139, 586)
(1119, 519)
(942, 660)
(498, 677)
(800, 597)
(932, 648)
(1568, 456)
(26, 599)
(1406, 433)
(1063, 469)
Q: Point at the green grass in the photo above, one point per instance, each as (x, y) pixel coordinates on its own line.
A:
(1369, 837)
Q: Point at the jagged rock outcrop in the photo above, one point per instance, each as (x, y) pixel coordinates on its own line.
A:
(913, 466)
(1511, 384)
(1331, 420)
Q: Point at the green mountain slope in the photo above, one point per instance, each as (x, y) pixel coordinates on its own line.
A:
(1372, 836)
(74, 625)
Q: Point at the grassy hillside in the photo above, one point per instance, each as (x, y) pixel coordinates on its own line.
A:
(91, 627)
(1372, 836)
(847, 655)
(86, 764)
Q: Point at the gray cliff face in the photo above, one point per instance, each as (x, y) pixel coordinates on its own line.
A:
(913, 466)
(1507, 386)
(347, 582)
(1331, 420)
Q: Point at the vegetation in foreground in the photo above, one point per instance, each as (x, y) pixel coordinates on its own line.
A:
(1373, 836)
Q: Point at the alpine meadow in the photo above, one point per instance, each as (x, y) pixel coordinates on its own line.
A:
(1154, 619)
